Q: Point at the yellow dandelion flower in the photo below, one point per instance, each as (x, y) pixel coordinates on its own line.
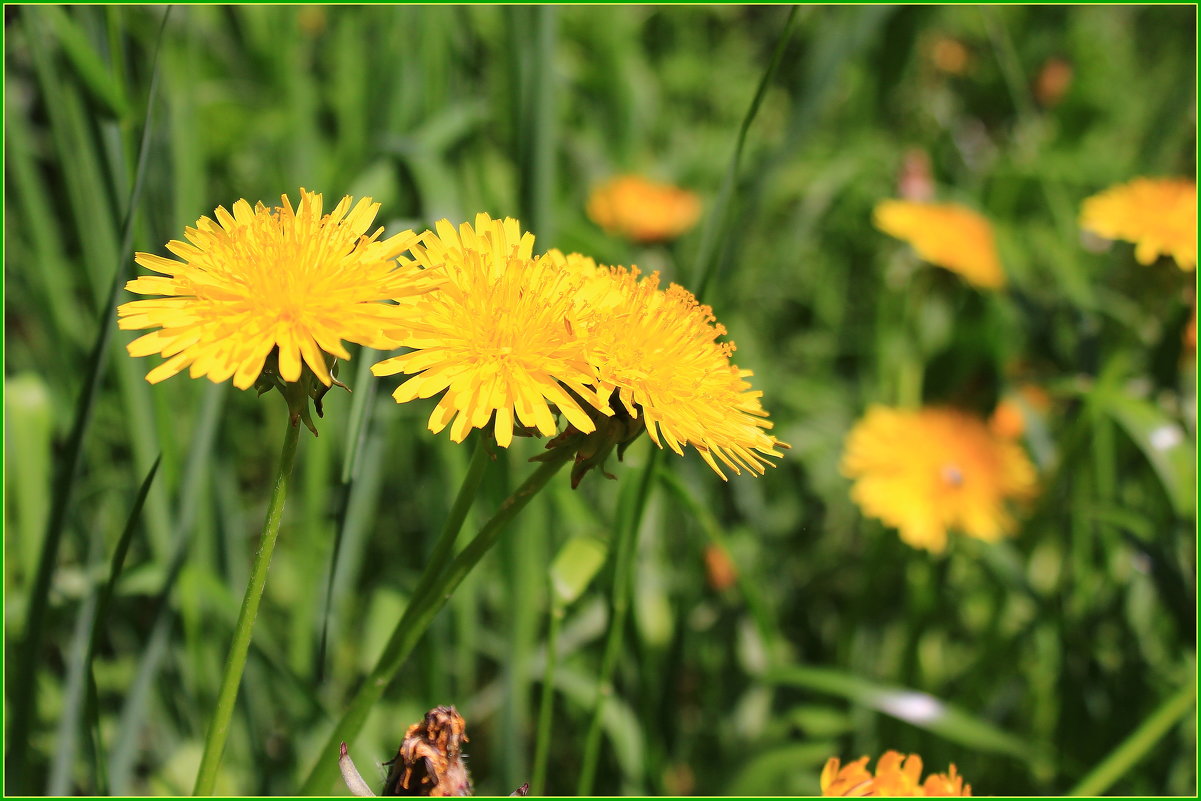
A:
(259, 279)
(1159, 215)
(896, 776)
(657, 350)
(496, 338)
(946, 235)
(925, 472)
(643, 210)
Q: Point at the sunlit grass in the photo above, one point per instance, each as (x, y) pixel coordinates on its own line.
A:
(1059, 657)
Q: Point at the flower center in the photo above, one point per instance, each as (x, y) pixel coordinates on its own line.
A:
(952, 475)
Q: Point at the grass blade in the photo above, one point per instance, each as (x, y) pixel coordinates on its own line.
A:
(1171, 452)
(74, 714)
(920, 709)
(62, 762)
(118, 563)
(1138, 744)
(715, 230)
(358, 424)
(625, 551)
(23, 701)
(87, 62)
(537, 133)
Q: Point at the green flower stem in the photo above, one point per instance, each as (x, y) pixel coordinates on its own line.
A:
(235, 662)
(444, 548)
(435, 589)
(1138, 744)
(623, 569)
(542, 744)
(912, 363)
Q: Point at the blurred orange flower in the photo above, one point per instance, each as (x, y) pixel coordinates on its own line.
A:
(1009, 417)
(1159, 215)
(897, 775)
(643, 210)
(946, 235)
(1053, 81)
(719, 568)
(928, 471)
(950, 55)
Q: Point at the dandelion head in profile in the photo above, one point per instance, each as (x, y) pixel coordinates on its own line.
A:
(280, 288)
(896, 776)
(496, 339)
(930, 471)
(643, 210)
(1159, 215)
(946, 235)
(658, 360)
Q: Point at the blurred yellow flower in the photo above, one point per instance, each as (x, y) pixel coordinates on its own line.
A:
(1159, 215)
(260, 279)
(897, 775)
(643, 210)
(946, 235)
(496, 338)
(925, 472)
(657, 350)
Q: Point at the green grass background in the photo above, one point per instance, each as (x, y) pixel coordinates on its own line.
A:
(1073, 639)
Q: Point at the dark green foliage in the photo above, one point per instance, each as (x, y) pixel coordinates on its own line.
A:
(1064, 639)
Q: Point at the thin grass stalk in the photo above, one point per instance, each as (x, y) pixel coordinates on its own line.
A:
(524, 566)
(62, 760)
(547, 702)
(100, 617)
(29, 201)
(619, 601)
(357, 425)
(124, 751)
(541, 133)
(24, 700)
(95, 742)
(713, 233)
(417, 617)
(445, 546)
(235, 664)
(1140, 742)
(71, 129)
